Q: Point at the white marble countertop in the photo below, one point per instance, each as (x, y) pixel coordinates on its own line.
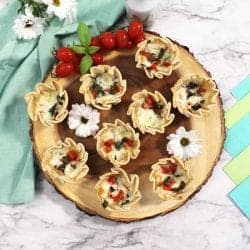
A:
(218, 33)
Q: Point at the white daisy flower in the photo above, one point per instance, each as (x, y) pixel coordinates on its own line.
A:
(84, 120)
(28, 26)
(184, 144)
(63, 9)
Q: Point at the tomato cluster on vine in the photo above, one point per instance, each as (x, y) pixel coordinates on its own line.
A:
(69, 61)
(122, 38)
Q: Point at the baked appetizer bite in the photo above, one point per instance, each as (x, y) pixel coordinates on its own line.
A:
(150, 112)
(118, 191)
(170, 176)
(66, 161)
(48, 104)
(117, 142)
(103, 87)
(157, 56)
(194, 95)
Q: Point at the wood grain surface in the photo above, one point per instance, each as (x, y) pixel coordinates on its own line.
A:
(209, 127)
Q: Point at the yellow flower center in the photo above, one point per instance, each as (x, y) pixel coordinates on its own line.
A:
(184, 141)
(56, 2)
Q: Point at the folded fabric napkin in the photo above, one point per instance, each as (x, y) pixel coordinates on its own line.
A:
(238, 168)
(241, 196)
(22, 65)
(242, 89)
(238, 136)
(237, 111)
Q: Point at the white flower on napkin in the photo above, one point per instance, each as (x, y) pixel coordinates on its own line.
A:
(63, 9)
(28, 26)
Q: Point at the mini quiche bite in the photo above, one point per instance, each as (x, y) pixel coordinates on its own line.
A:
(150, 112)
(118, 191)
(103, 87)
(170, 176)
(48, 104)
(194, 95)
(157, 56)
(117, 142)
(66, 161)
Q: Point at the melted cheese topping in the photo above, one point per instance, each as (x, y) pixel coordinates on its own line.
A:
(117, 134)
(46, 103)
(120, 184)
(71, 169)
(188, 102)
(149, 118)
(154, 49)
(178, 176)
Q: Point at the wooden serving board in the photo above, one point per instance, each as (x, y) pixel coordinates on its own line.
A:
(210, 128)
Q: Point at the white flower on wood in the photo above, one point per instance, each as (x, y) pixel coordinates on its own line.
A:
(184, 144)
(84, 120)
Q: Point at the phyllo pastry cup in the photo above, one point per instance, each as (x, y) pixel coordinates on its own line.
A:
(194, 95)
(66, 161)
(118, 191)
(157, 56)
(48, 104)
(117, 142)
(170, 177)
(150, 112)
(103, 87)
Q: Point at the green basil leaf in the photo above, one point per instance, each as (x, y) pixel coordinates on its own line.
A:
(85, 64)
(84, 34)
(93, 49)
(78, 49)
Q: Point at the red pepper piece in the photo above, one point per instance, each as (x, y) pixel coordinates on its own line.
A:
(72, 155)
(108, 145)
(129, 142)
(119, 196)
(172, 167)
(111, 179)
(169, 185)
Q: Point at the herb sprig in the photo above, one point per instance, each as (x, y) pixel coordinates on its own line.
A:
(38, 9)
(84, 47)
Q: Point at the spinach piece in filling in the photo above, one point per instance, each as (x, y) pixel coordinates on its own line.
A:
(97, 89)
(181, 187)
(105, 204)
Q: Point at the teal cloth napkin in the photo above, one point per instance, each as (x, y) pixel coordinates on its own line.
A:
(22, 65)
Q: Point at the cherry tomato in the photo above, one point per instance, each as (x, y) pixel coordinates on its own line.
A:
(129, 45)
(95, 41)
(77, 68)
(107, 40)
(139, 38)
(97, 58)
(135, 29)
(72, 155)
(122, 38)
(64, 69)
(77, 58)
(65, 54)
